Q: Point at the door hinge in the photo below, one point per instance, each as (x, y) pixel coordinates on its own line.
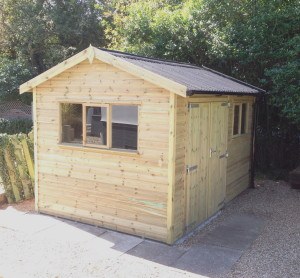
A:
(193, 105)
(191, 168)
(227, 103)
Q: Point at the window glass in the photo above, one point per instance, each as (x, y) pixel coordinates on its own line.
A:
(244, 118)
(96, 126)
(71, 120)
(124, 126)
(236, 120)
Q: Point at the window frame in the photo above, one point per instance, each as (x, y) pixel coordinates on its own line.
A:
(97, 148)
(240, 105)
(108, 126)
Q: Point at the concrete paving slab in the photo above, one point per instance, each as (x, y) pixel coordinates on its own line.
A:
(157, 252)
(248, 222)
(208, 260)
(94, 230)
(237, 233)
(63, 232)
(228, 237)
(135, 267)
(121, 242)
(25, 222)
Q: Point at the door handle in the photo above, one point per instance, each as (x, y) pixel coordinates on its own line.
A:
(225, 155)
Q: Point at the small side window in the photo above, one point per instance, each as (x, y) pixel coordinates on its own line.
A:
(236, 119)
(244, 118)
(71, 123)
(240, 116)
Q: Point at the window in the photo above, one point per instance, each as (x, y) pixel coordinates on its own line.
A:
(95, 126)
(124, 127)
(236, 119)
(102, 126)
(71, 121)
(244, 118)
(240, 114)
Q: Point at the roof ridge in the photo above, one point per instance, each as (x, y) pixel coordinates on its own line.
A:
(152, 59)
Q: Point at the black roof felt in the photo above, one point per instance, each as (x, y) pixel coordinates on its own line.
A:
(198, 80)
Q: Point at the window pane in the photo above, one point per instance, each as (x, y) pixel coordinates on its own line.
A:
(244, 118)
(236, 119)
(71, 119)
(96, 125)
(124, 127)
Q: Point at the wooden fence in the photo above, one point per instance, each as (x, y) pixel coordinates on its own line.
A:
(17, 166)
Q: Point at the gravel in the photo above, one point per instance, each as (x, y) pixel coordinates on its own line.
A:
(276, 251)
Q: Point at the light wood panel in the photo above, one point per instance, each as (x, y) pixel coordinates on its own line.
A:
(125, 192)
(217, 154)
(108, 60)
(198, 160)
(180, 175)
(239, 149)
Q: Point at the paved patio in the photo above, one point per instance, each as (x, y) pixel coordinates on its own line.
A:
(36, 245)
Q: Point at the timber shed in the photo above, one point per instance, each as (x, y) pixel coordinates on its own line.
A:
(139, 145)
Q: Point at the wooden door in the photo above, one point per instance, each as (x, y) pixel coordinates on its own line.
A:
(217, 157)
(197, 168)
(206, 161)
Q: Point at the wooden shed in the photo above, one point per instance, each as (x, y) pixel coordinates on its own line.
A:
(139, 145)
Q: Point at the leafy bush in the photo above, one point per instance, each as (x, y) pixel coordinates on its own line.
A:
(15, 126)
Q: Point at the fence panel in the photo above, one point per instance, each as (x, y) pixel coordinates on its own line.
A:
(17, 166)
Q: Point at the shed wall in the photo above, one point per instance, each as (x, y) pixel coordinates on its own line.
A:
(124, 192)
(238, 163)
(239, 149)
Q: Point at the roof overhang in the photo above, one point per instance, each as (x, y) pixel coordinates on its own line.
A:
(91, 53)
(228, 93)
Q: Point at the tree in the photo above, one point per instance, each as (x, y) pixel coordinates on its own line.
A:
(254, 40)
(37, 34)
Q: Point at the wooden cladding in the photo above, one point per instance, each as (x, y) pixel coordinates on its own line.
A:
(119, 161)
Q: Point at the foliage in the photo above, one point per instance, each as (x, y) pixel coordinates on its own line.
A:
(166, 30)
(257, 41)
(15, 126)
(13, 72)
(35, 35)
(254, 40)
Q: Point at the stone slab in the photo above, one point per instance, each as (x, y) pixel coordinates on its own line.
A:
(120, 241)
(208, 260)
(157, 252)
(94, 230)
(237, 232)
(248, 222)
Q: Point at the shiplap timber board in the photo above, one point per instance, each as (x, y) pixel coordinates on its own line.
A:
(137, 185)
(239, 148)
(109, 59)
(179, 189)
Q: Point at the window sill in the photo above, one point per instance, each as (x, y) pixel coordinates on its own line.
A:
(79, 147)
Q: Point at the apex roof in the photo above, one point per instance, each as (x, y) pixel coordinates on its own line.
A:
(181, 78)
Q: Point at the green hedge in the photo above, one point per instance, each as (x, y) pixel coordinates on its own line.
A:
(15, 126)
